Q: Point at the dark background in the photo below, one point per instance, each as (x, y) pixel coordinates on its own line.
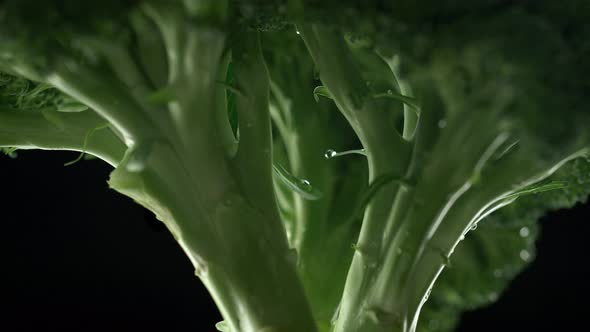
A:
(76, 256)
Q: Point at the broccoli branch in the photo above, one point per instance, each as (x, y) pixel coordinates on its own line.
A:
(53, 130)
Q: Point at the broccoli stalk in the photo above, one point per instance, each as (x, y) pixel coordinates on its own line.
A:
(225, 216)
(55, 130)
(321, 229)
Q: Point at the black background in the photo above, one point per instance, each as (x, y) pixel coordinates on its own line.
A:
(76, 256)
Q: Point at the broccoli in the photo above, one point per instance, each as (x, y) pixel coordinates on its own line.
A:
(320, 163)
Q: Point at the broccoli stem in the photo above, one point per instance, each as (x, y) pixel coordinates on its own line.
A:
(258, 291)
(52, 130)
(387, 152)
(108, 97)
(238, 249)
(405, 88)
(321, 240)
(221, 208)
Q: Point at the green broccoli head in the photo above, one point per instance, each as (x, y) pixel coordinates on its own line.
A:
(39, 35)
(17, 93)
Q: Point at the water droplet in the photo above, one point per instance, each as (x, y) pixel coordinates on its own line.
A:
(524, 232)
(427, 295)
(306, 185)
(330, 154)
(446, 260)
(300, 186)
(442, 123)
(462, 237)
(389, 92)
(297, 32)
(525, 255)
(474, 227)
